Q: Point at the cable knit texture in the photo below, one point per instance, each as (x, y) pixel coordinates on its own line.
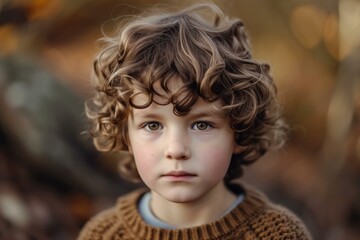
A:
(254, 218)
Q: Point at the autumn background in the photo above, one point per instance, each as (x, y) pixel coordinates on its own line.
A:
(51, 178)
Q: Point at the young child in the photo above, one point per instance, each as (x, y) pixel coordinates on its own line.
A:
(185, 98)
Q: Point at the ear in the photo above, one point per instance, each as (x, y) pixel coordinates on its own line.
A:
(237, 148)
(127, 140)
(130, 149)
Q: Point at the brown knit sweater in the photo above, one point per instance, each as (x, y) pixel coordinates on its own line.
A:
(254, 218)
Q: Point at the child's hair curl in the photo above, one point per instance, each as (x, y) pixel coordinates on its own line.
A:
(212, 60)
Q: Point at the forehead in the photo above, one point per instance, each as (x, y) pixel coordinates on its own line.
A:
(201, 107)
(183, 94)
(163, 91)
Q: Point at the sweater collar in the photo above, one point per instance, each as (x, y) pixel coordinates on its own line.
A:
(253, 203)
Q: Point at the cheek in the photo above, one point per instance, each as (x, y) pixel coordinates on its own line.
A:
(144, 160)
(216, 161)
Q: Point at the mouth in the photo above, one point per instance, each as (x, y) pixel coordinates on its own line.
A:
(179, 174)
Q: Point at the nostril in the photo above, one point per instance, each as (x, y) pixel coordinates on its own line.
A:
(177, 152)
(177, 156)
(177, 144)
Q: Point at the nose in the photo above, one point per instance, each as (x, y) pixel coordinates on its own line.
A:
(177, 146)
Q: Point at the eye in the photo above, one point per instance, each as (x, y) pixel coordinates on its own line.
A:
(202, 126)
(152, 126)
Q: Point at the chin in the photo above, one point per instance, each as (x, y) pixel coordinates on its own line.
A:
(180, 197)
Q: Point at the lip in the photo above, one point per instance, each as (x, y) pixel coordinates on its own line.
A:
(179, 174)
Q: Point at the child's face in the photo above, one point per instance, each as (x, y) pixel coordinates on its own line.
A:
(181, 158)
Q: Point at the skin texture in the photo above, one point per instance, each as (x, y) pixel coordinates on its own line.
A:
(183, 160)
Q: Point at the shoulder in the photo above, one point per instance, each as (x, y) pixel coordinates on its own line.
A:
(101, 225)
(276, 222)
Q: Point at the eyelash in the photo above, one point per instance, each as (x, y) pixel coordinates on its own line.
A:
(208, 125)
(146, 126)
(159, 126)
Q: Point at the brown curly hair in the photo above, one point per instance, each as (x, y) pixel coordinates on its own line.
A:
(213, 61)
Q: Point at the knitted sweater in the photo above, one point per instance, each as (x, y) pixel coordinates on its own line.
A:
(254, 218)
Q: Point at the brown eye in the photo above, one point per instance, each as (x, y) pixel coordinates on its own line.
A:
(152, 126)
(202, 126)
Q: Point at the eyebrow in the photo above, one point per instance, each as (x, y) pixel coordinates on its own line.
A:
(145, 115)
(204, 114)
(198, 114)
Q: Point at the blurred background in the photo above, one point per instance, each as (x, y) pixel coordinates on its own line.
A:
(51, 178)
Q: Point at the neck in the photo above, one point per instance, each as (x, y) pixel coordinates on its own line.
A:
(208, 208)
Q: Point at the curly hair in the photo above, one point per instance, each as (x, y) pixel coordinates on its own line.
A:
(212, 59)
